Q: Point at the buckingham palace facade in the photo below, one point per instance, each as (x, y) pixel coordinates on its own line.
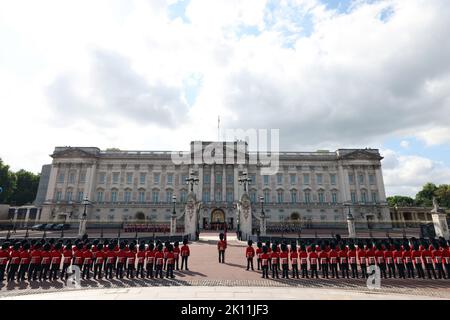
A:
(314, 189)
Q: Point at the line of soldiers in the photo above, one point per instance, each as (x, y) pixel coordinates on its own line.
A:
(405, 258)
(42, 260)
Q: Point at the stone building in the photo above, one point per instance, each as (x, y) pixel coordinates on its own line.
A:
(313, 189)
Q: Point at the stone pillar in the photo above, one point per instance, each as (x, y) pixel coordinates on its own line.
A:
(343, 184)
(440, 221)
(27, 216)
(351, 226)
(173, 225)
(51, 184)
(245, 216)
(200, 183)
(191, 216)
(224, 184)
(236, 183)
(380, 184)
(82, 227)
(262, 225)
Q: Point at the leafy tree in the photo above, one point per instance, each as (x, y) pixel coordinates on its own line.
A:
(443, 195)
(425, 196)
(400, 201)
(27, 185)
(7, 183)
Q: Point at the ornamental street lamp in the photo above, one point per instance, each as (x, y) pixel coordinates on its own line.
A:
(83, 220)
(173, 219)
(192, 180)
(244, 180)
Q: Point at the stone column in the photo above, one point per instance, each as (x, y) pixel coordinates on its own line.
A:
(200, 183)
(27, 216)
(245, 216)
(173, 225)
(191, 216)
(236, 183)
(262, 225)
(351, 226)
(224, 184)
(440, 221)
(343, 184)
(213, 183)
(380, 184)
(51, 184)
(82, 227)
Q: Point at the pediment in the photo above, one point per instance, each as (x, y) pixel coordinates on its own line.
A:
(361, 155)
(72, 153)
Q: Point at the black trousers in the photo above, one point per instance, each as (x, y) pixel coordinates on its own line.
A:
(295, 271)
(401, 270)
(158, 271)
(364, 270)
(54, 271)
(33, 271)
(109, 271)
(221, 256)
(304, 268)
(324, 270)
(447, 269)
(334, 270)
(2, 272)
(430, 270)
(354, 268)
(258, 262)
(12, 272)
(314, 271)
(410, 269)
(440, 271)
(184, 262)
(150, 270)
(250, 263)
(285, 271)
(64, 271)
(391, 270)
(86, 271)
(98, 270)
(44, 271)
(177, 261)
(382, 267)
(344, 270)
(420, 272)
(130, 270)
(140, 270)
(119, 270)
(275, 271)
(23, 269)
(265, 271)
(169, 272)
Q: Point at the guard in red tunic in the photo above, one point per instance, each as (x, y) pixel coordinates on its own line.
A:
(274, 257)
(362, 257)
(303, 256)
(121, 259)
(258, 254)
(25, 256)
(323, 260)
(165, 251)
(389, 258)
(265, 262)
(4, 258)
(159, 260)
(399, 263)
(352, 259)
(110, 261)
(221, 247)
(45, 262)
(407, 257)
(427, 257)
(313, 257)
(343, 261)
(294, 260)
(370, 254)
(55, 262)
(88, 259)
(140, 261)
(185, 253)
(446, 257)
(35, 263)
(14, 262)
(99, 261)
(333, 259)
(284, 261)
(417, 260)
(170, 262)
(150, 255)
(249, 254)
(176, 254)
(437, 258)
(67, 258)
(131, 261)
(381, 262)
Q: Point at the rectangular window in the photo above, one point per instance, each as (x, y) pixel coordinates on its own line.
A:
(69, 196)
(72, 178)
(61, 177)
(321, 197)
(371, 179)
(170, 178)
(333, 179)
(334, 197)
(115, 177)
(156, 178)
(363, 197)
(280, 196)
(361, 179)
(142, 177)
(155, 196)
(293, 179)
(230, 179)
(219, 179)
(307, 197)
(293, 196)
(101, 177)
(230, 196)
(127, 196)
(183, 196)
(319, 178)
(253, 197)
(99, 196)
(169, 196)
(353, 197)
(58, 196)
(218, 195)
(279, 179)
(266, 196)
(141, 196)
(306, 178)
(82, 177)
(206, 196)
(374, 197)
(266, 180)
(114, 196)
(183, 179)
(351, 178)
(129, 178)
(206, 179)
(80, 196)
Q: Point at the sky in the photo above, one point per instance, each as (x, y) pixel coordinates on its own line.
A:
(155, 75)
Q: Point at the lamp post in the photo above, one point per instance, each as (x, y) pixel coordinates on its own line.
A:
(192, 180)
(350, 223)
(173, 218)
(262, 226)
(83, 220)
(244, 180)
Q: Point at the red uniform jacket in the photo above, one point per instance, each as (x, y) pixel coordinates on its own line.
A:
(165, 252)
(121, 256)
(67, 256)
(185, 252)
(343, 256)
(100, 257)
(351, 254)
(417, 256)
(4, 257)
(407, 256)
(333, 256)
(446, 255)
(370, 253)
(265, 259)
(303, 256)
(170, 258)
(221, 245)
(141, 257)
(36, 256)
(294, 257)
(25, 257)
(159, 257)
(313, 258)
(88, 257)
(398, 256)
(110, 257)
(46, 257)
(362, 256)
(437, 256)
(258, 253)
(14, 257)
(150, 256)
(131, 257)
(56, 257)
(323, 257)
(274, 256)
(379, 255)
(78, 257)
(284, 257)
(389, 256)
(176, 252)
(249, 252)
(427, 256)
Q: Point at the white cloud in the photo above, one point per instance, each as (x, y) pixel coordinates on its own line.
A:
(404, 144)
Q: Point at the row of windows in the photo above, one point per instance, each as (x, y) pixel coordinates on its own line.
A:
(70, 196)
(361, 178)
(71, 178)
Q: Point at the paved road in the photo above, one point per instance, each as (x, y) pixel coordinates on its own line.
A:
(206, 271)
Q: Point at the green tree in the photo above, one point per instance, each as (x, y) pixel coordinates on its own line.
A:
(442, 194)
(425, 196)
(400, 201)
(27, 185)
(7, 183)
